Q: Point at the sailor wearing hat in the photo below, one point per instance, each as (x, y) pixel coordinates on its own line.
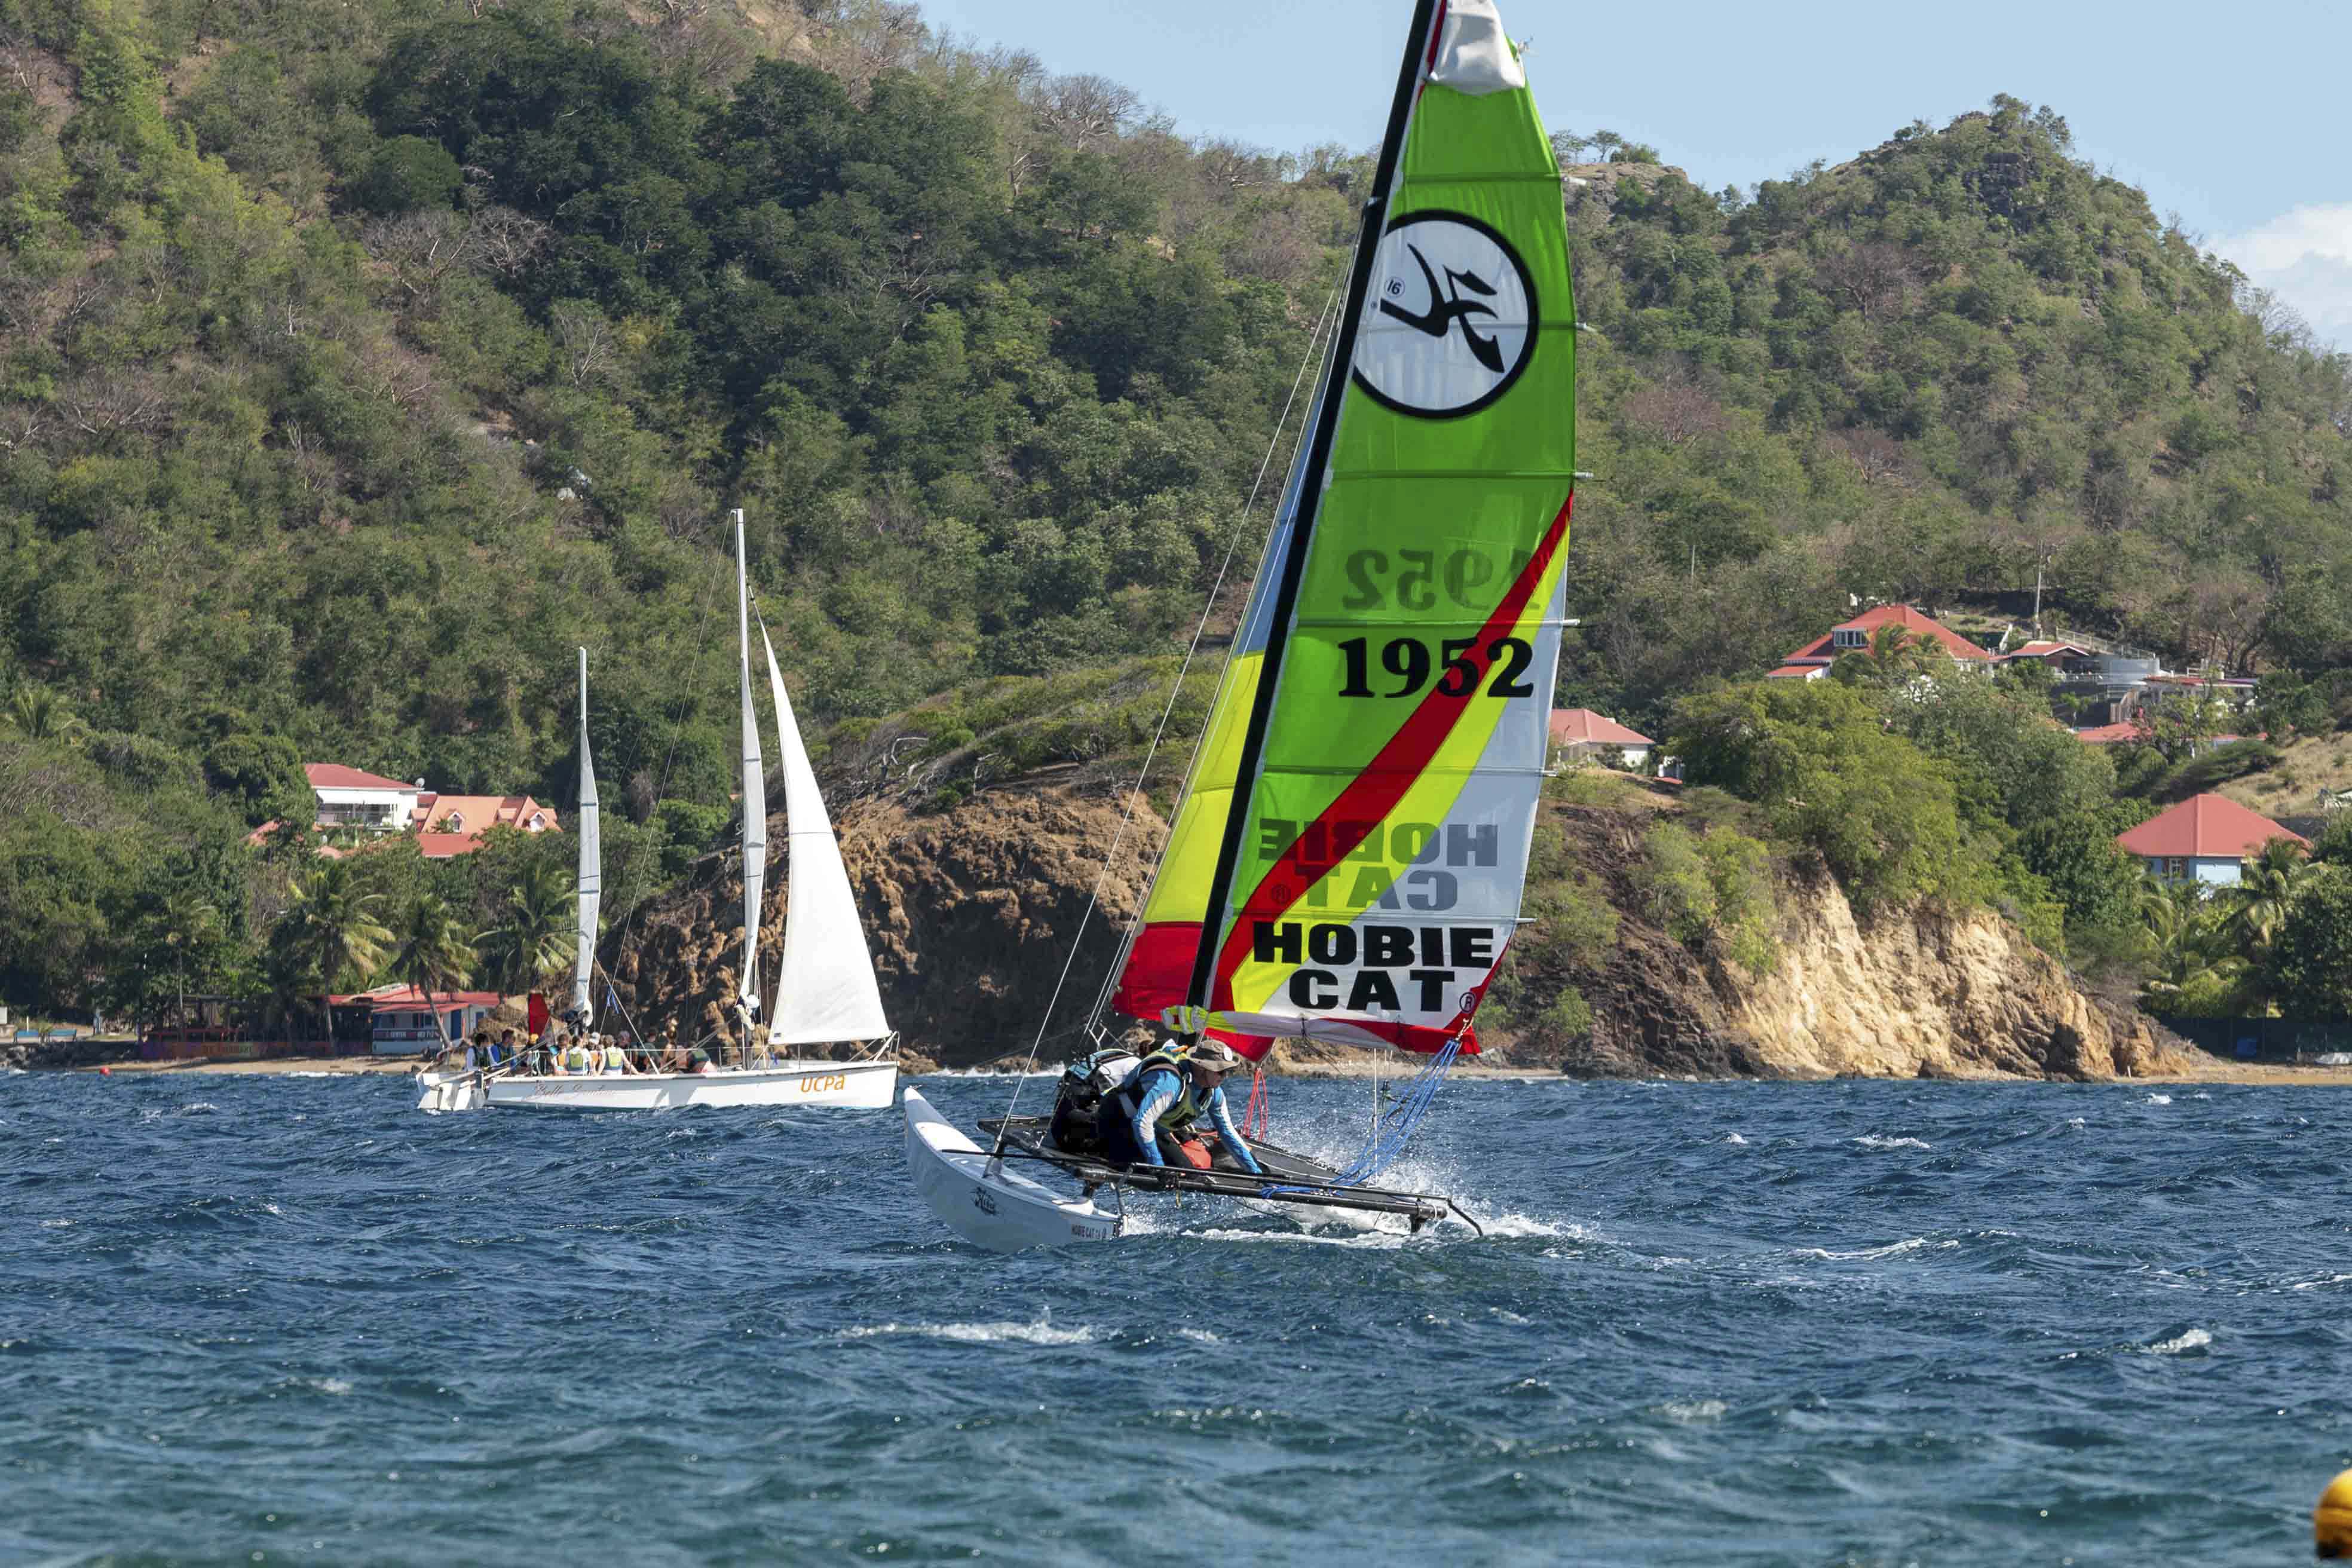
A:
(1169, 1091)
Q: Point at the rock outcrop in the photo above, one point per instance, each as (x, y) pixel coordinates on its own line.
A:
(971, 913)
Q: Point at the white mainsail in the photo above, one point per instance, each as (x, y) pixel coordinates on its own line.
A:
(755, 788)
(592, 859)
(828, 991)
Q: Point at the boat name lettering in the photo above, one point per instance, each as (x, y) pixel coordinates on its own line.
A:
(1369, 991)
(820, 1085)
(981, 1201)
(1406, 843)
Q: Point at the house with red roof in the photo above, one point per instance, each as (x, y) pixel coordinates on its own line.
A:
(349, 797)
(2202, 839)
(2046, 650)
(449, 824)
(404, 1016)
(445, 824)
(1580, 733)
(1813, 661)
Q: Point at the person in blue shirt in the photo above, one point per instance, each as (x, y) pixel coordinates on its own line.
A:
(1168, 1093)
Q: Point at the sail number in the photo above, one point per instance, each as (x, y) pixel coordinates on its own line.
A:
(1454, 662)
(1419, 575)
(821, 1085)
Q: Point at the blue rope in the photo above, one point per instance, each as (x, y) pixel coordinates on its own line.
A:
(1397, 1124)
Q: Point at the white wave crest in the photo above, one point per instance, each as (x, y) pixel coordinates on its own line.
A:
(1892, 1249)
(1040, 1332)
(2306, 1285)
(1690, 1410)
(1873, 1141)
(2159, 1100)
(197, 1107)
(2181, 1343)
(1733, 1138)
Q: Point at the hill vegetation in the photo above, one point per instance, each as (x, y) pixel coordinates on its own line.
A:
(363, 359)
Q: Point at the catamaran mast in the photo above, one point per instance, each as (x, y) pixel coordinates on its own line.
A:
(1318, 457)
(591, 880)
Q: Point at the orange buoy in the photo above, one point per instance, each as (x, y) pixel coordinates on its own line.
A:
(2331, 1520)
(106, 1072)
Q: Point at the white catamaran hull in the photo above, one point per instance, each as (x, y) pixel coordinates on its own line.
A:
(991, 1207)
(862, 1085)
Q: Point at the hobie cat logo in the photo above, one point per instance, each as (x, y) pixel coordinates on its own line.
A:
(1451, 320)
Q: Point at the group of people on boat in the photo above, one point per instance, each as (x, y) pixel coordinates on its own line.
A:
(568, 1050)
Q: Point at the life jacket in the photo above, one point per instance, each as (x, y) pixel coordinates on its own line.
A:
(575, 1058)
(1188, 1108)
(615, 1059)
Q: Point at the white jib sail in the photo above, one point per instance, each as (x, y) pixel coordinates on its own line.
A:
(827, 992)
(592, 859)
(755, 788)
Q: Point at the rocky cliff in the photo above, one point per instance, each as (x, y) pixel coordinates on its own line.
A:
(971, 913)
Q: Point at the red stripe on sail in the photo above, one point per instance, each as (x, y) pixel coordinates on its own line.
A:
(1159, 973)
(1372, 794)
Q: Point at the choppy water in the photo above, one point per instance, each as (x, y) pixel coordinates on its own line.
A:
(259, 1320)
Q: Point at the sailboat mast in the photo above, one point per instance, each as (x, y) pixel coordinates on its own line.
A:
(755, 804)
(1318, 458)
(590, 878)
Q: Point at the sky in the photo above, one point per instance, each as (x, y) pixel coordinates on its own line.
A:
(2227, 116)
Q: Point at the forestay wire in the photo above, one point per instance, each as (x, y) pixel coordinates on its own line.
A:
(1175, 693)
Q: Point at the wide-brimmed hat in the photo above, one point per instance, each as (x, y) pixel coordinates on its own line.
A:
(1216, 1056)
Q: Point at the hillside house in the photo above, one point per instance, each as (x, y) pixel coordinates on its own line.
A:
(450, 824)
(1581, 734)
(2201, 839)
(351, 798)
(1813, 661)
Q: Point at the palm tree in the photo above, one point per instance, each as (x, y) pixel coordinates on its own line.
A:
(1901, 655)
(39, 713)
(537, 935)
(433, 955)
(336, 926)
(2267, 882)
(2187, 940)
(185, 921)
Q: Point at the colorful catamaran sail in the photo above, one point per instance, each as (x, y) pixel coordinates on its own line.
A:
(1347, 860)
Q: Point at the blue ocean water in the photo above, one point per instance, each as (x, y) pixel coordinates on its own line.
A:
(270, 1320)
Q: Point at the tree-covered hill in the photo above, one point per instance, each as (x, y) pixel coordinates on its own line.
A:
(358, 360)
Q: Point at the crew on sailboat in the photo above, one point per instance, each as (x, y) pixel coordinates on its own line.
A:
(1169, 1091)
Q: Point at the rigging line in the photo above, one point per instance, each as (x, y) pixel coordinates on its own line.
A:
(1323, 320)
(1175, 691)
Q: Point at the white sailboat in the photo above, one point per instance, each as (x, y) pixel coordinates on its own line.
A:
(825, 992)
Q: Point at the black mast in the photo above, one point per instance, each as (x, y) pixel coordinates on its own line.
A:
(1293, 566)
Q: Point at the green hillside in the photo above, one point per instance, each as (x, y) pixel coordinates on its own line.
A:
(363, 359)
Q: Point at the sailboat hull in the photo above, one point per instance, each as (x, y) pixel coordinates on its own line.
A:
(981, 1201)
(854, 1086)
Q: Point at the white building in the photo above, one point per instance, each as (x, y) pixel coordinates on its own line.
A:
(349, 798)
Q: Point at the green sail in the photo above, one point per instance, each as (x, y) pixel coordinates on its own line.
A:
(1371, 879)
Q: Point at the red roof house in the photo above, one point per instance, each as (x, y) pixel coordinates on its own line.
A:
(2203, 837)
(470, 814)
(1582, 726)
(335, 775)
(1853, 636)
